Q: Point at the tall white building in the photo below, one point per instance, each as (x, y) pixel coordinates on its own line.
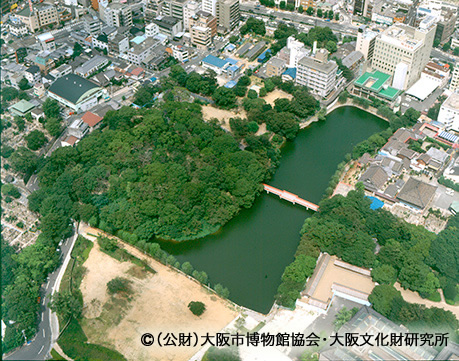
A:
(210, 6)
(403, 44)
(297, 51)
(151, 30)
(318, 73)
(454, 80)
(366, 39)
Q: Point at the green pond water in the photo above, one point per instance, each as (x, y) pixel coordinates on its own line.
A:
(249, 254)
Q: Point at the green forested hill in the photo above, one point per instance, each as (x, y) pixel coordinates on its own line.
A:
(157, 172)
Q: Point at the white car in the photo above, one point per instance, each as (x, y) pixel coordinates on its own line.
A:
(450, 192)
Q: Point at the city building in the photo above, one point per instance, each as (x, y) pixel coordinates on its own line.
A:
(454, 80)
(275, 67)
(33, 75)
(100, 42)
(293, 52)
(119, 44)
(76, 92)
(60, 71)
(203, 27)
(117, 14)
(318, 73)
(402, 52)
(375, 84)
(151, 30)
(445, 25)
(152, 10)
(366, 39)
(37, 16)
(449, 112)
(228, 14)
(92, 25)
(78, 128)
(180, 53)
(169, 25)
(47, 41)
(139, 52)
(436, 73)
(189, 11)
(21, 108)
(91, 66)
(17, 27)
(210, 6)
(174, 8)
(44, 61)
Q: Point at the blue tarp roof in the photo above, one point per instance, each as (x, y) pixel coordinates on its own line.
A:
(230, 84)
(375, 203)
(213, 60)
(153, 79)
(290, 72)
(263, 55)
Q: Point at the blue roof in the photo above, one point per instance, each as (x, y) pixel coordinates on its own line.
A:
(437, 123)
(153, 79)
(230, 47)
(448, 136)
(231, 61)
(290, 72)
(263, 55)
(213, 60)
(230, 84)
(233, 68)
(375, 203)
(138, 39)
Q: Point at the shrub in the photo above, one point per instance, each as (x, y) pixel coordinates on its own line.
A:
(197, 308)
(119, 285)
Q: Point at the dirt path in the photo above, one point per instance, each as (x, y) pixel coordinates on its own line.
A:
(413, 297)
(159, 304)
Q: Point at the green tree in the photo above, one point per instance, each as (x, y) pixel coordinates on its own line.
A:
(24, 161)
(310, 10)
(187, 268)
(384, 274)
(77, 49)
(233, 39)
(343, 316)
(53, 126)
(319, 13)
(221, 354)
(300, 9)
(9, 93)
(35, 139)
(66, 305)
(222, 291)
(197, 308)
(51, 108)
(382, 298)
(20, 123)
(10, 190)
(331, 46)
(24, 84)
(224, 98)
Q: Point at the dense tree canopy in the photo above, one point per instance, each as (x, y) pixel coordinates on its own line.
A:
(253, 25)
(160, 172)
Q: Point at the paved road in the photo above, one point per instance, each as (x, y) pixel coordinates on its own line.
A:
(299, 18)
(41, 345)
(442, 56)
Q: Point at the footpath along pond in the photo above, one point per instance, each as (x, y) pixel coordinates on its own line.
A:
(249, 254)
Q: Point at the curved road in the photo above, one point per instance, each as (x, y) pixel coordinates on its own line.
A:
(48, 328)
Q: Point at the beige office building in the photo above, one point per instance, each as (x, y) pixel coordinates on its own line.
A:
(42, 15)
(403, 51)
(203, 27)
(228, 14)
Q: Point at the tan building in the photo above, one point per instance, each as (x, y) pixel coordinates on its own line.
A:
(203, 27)
(41, 15)
(228, 14)
(403, 51)
(275, 67)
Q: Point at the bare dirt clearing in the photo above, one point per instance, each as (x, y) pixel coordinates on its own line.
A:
(223, 116)
(277, 94)
(158, 304)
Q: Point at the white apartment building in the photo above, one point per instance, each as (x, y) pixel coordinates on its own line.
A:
(180, 53)
(92, 24)
(403, 51)
(318, 73)
(47, 41)
(297, 51)
(174, 8)
(17, 28)
(366, 42)
(33, 75)
(61, 71)
(449, 112)
(151, 30)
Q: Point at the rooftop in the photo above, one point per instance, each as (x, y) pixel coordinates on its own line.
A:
(22, 106)
(71, 87)
(91, 119)
(213, 60)
(417, 193)
(452, 102)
